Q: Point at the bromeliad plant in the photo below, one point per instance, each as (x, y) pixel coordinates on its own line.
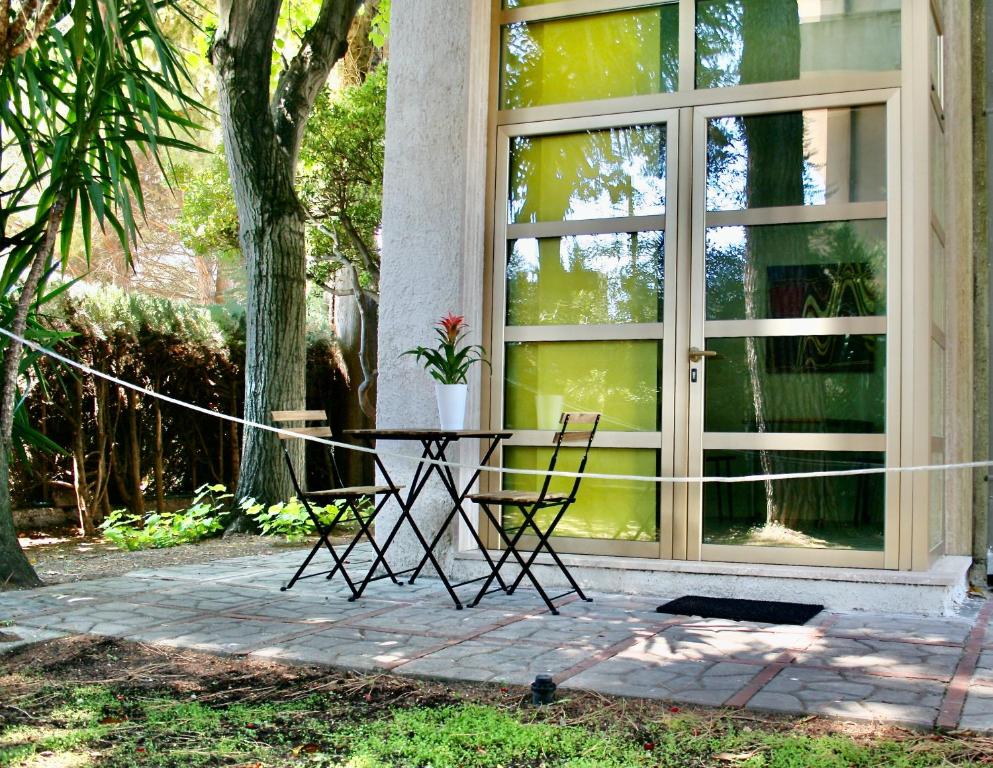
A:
(447, 363)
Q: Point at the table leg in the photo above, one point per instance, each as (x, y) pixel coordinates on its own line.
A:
(448, 478)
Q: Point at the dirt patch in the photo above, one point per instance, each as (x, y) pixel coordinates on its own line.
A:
(6, 637)
(62, 557)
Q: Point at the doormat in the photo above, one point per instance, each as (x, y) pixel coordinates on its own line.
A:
(764, 611)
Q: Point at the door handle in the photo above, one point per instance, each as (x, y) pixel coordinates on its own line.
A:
(697, 354)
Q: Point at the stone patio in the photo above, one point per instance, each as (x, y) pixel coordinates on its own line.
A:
(923, 672)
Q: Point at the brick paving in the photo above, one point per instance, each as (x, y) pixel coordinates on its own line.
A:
(919, 671)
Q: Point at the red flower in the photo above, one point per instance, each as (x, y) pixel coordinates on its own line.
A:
(452, 325)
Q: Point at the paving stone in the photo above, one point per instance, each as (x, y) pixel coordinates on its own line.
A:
(895, 627)
(348, 647)
(308, 610)
(568, 631)
(210, 597)
(27, 603)
(977, 715)
(114, 619)
(117, 586)
(217, 634)
(695, 643)
(480, 661)
(695, 682)
(851, 695)
(444, 622)
(25, 635)
(984, 670)
(869, 655)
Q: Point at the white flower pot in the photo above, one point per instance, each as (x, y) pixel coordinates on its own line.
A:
(451, 405)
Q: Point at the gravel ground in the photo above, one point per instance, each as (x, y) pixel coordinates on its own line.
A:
(62, 559)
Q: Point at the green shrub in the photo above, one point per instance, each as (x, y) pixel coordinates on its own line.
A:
(205, 518)
(209, 514)
(288, 519)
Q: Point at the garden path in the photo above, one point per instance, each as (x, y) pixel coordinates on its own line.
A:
(903, 669)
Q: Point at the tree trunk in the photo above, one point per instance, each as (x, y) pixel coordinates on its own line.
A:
(263, 129)
(134, 459)
(158, 462)
(14, 566)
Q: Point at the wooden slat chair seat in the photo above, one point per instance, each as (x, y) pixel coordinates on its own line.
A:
(354, 503)
(513, 498)
(529, 503)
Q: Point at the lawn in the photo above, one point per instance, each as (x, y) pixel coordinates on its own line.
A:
(90, 702)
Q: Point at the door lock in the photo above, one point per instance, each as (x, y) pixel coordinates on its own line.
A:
(697, 354)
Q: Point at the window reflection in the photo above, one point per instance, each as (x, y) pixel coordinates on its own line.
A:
(588, 175)
(605, 509)
(812, 513)
(626, 53)
(814, 157)
(824, 384)
(587, 279)
(835, 269)
(809, 37)
(619, 379)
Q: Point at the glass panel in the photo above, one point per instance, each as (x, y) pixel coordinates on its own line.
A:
(619, 379)
(626, 53)
(836, 269)
(813, 157)
(815, 513)
(939, 190)
(825, 384)
(604, 509)
(587, 279)
(588, 175)
(734, 39)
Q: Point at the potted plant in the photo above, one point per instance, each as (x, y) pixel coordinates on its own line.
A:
(448, 364)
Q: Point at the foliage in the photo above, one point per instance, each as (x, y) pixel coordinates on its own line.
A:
(208, 220)
(342, 182)
(448, 364)
(288, 519)
(203, 519)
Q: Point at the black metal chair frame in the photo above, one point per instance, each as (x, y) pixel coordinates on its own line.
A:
(347, 501)
(529, 510)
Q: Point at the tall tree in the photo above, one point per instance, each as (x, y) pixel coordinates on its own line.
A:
(82, 86)
(263, 126)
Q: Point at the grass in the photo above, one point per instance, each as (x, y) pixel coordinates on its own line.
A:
(115, 705)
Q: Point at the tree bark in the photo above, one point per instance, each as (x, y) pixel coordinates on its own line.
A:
(262, 141)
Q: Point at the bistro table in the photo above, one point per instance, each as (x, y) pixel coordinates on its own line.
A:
(434, 443)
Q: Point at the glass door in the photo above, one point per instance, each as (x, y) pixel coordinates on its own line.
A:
(582, 315)
(793, 342)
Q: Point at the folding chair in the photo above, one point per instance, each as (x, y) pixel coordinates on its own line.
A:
(530, 504)
(348, 500)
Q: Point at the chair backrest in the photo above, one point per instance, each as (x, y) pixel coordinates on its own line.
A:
(282, 418)
(583, 438)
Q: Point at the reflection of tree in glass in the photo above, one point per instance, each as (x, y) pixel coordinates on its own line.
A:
(624, 53)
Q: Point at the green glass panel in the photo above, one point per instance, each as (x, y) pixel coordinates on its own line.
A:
(827, 384)
(588, 175)
(604, 56)
(813, 513)
(758, 41)
(619, 379)
(836, 269)
(587, 279)
(604, 509)
(813, 157)
(526, 3)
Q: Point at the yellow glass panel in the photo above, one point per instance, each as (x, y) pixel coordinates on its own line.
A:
(604, 509)
(619, 379)
(588, 175)
(614, 278)
(625, 53)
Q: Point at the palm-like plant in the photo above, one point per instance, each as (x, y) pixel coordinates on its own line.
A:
(84, 84)
(447, 363)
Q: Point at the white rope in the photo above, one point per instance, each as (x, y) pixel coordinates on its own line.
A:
(474, 467)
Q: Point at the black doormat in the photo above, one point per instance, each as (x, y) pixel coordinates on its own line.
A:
(763, 611)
